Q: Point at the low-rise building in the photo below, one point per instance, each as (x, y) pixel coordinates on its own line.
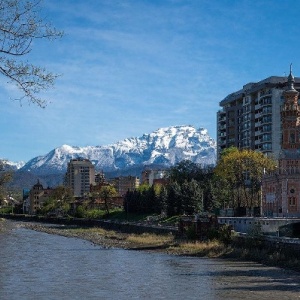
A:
(37, 197)
(123, 184)
(151, 177)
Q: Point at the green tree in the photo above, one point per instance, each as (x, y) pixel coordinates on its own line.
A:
(174, 199)
(184, 170)
(106, 192)
(58, 202)
(145, 199)
(163, 199)
(62, 193)
(193, 190)
(241, 171)
(20, 27)
(192, 197)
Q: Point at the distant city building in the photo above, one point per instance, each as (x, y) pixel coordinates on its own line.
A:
(80, 176)
(37, 197)
(251, 117)
(99, 178)
(123, 184)
(26, 200)
(153, 177)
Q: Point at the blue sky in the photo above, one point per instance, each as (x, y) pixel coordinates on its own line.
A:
(129, 67)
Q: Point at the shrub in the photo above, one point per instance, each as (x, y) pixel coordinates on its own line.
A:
(191, 233)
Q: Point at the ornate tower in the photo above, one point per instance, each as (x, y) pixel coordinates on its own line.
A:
(290, 117)
(281, 190)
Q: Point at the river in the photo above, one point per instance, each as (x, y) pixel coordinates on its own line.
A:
(36, 265)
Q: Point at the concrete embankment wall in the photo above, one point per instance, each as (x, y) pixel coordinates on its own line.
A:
(125, 227)
(288, 246)
(268, 225)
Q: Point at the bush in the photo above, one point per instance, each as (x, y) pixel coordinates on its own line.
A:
(225, 235)
(93, 214)
(191, 233)
(79, 212)
(222, 234)
(6, 210)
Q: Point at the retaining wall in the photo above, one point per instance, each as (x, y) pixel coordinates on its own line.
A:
(126, 227)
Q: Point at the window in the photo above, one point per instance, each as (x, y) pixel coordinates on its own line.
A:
(266, 146)
(292, 137)
(292, 201)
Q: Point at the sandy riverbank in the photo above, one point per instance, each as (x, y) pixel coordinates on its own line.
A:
(96, 235)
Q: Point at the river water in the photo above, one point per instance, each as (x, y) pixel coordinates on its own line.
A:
(36, 265)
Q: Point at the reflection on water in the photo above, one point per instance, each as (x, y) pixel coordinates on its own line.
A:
(37, 265)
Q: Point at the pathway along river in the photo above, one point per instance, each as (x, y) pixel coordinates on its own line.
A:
(37, 265)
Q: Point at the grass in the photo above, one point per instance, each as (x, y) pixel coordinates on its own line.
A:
(6, 210)
(148, 239)
(209, 249)
(137, 240)
(110, 234)
(151, 240)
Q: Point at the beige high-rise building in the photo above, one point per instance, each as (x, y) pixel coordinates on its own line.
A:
(79, 177)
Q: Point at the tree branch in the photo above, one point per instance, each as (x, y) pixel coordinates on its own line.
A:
(19, 26)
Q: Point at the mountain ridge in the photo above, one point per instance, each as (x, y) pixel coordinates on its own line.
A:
(161, 148)
(165, 146)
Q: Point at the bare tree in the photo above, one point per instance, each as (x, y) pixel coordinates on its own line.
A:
(20, 25)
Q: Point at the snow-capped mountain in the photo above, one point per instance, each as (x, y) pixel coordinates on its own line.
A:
(9, 165)
(164, 147)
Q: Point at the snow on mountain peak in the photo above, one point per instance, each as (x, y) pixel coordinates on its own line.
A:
(166, 146)
(12, 165)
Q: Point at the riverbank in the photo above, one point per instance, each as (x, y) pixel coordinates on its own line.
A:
(167, 243)
(249, 250)
(108, 238)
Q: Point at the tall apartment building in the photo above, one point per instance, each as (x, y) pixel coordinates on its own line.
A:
(79, 177)
(250, 118)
